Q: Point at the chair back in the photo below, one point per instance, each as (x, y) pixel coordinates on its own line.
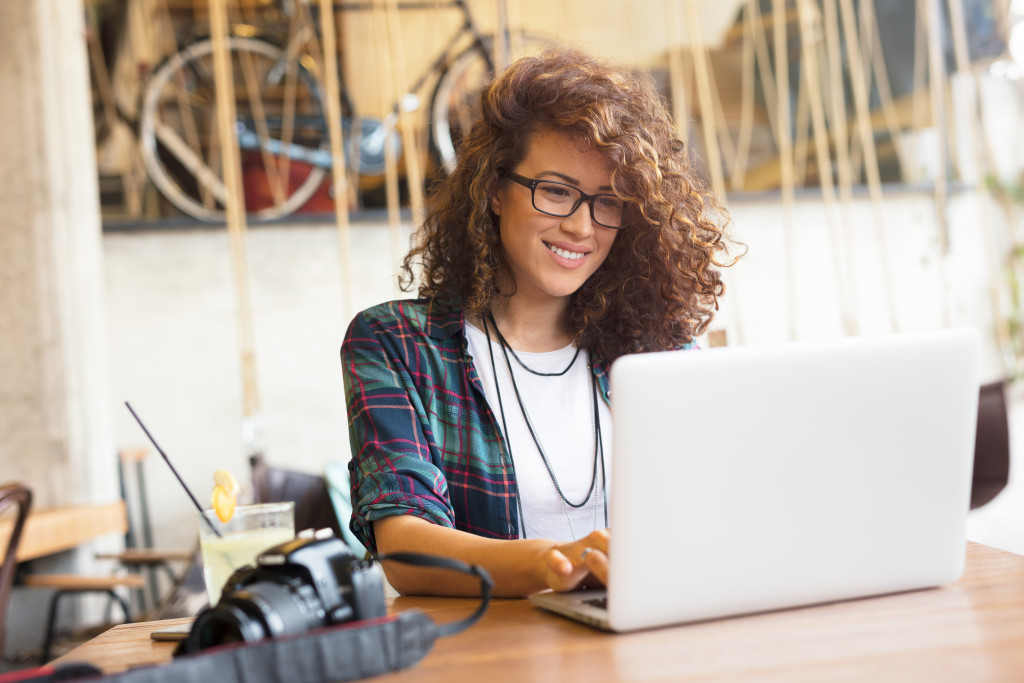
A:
(131, 473)
(991, 445)
(12, 494)
(313, 507)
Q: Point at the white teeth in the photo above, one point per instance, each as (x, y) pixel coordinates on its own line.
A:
(571, 255)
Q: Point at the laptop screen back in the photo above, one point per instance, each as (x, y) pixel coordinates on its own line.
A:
(751, 479)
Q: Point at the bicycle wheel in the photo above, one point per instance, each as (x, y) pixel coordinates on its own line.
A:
(279, 122)
(455, 102)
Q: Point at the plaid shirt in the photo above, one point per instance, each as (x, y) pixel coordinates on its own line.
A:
(424, 440)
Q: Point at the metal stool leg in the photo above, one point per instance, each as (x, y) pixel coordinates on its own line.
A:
(124, 605)
(51, 622)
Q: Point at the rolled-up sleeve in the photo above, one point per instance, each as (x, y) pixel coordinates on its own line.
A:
(395, 469)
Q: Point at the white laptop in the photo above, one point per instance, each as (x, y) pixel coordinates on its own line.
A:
(755, 479)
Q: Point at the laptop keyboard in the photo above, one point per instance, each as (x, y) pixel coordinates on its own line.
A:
(600, 603)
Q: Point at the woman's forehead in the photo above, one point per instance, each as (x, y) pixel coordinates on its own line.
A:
(563, 144)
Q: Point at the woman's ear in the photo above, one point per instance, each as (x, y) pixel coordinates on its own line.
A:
(493, 194)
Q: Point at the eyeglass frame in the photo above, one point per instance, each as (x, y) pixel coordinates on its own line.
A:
(532, 183)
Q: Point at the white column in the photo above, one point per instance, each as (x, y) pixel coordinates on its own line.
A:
(55, 408)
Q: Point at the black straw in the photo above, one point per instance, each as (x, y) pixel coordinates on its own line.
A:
(168, 461)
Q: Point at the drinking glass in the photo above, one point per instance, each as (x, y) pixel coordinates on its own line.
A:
(250, 531)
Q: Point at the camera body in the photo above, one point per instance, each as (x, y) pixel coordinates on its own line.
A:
(302, 584)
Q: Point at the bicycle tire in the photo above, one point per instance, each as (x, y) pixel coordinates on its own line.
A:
(455, 101)
(178, 128)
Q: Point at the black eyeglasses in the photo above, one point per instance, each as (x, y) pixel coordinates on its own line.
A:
(562, 200)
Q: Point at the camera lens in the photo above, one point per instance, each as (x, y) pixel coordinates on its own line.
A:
(261, 610)
(224, 625)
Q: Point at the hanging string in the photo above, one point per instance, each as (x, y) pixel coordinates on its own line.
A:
(386, 94)
(516, 45)
(339, 177)
(919, 103)
(236, 219)
(779, 35)
(129, 184)
(860, 97)
(253, 93)
(882, 86)
(708, 123)
(802, 129)
(707, 110)
(413, 169)
(764, 65)
(937, 87)
(307, 39)
(975, 142)
(724, 136)
(745, 136)
(680, 101)
(164, 28)
(629, 22)
(811, 32)
(291, 83)
(211, 189)
(840, 139)
(500, 45)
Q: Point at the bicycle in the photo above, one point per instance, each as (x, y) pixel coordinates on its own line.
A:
(280, 122)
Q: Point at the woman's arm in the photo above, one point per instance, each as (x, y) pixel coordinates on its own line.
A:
(518, 567)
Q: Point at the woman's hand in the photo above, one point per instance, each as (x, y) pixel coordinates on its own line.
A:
(570, 565)
(517, 567)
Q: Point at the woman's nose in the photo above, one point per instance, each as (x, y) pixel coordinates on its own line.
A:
(580, 222)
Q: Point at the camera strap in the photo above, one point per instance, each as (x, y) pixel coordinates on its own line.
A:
(438, 562)
(345, 652)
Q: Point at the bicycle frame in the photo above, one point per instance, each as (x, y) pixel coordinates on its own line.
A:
(408, 101)
(468, 27)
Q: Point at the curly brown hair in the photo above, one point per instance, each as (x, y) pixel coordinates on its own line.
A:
(660, 284)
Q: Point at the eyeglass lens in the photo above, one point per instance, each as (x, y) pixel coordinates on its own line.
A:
(561, 200)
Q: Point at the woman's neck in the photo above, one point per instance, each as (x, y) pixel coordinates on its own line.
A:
(533, 328)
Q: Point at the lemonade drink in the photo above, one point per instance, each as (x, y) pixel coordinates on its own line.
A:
(222, 556)
(251, 530)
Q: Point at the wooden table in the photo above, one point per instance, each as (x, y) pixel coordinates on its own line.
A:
(52, 530)
(972, 630)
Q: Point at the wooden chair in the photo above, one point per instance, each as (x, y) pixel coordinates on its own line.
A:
(134, 558)
(139, 554)
(13, 494)
(74, 584)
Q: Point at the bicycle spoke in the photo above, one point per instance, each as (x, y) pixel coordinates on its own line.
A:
(186, 113)
(204, 176)
(252, 91)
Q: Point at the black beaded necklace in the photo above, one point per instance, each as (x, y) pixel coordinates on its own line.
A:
(598, 444)
(505, 345)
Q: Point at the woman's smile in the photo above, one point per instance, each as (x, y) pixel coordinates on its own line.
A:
(569, 253)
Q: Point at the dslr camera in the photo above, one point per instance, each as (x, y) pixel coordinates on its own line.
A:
(302, 584)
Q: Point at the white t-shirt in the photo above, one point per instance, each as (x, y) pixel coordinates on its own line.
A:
(561, 410)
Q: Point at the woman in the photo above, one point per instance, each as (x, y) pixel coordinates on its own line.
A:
(573, 231)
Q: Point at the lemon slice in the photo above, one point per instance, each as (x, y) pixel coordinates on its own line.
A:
(224, 479)
(223, 504)
(224, 496)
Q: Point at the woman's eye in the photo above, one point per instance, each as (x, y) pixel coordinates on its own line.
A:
(606, 201)
(555, 192)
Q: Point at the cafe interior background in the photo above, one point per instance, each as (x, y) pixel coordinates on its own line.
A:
(870, 153)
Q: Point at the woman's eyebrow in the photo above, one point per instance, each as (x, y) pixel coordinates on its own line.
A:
(569, 179)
